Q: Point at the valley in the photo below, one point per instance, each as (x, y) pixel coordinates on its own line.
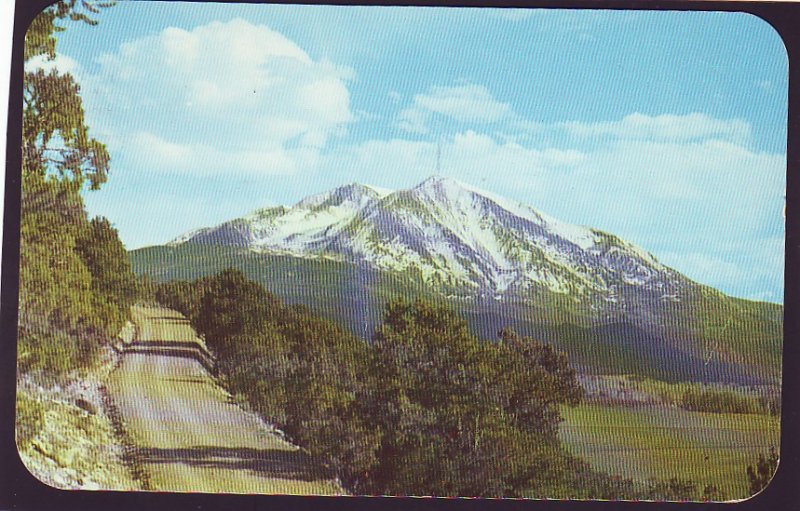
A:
(644, 339)
(655, 441)
(355, 295)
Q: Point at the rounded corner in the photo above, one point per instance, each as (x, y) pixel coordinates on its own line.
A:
(27, 472)
(765, 20)
(47, 5)
(766, 487)
(30, 20)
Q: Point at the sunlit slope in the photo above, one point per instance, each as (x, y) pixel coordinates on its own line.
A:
(707, 336)
(504, 263)
(188, 434)
(461, 239)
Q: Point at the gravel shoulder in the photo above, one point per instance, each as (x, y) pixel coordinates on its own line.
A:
(188, 434)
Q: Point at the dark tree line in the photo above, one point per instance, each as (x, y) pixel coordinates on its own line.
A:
(424, 409)
(76, 284)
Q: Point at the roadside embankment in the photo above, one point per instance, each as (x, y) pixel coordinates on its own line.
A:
(66, 434)
(187, 433)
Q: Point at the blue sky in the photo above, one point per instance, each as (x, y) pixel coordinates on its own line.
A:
(665, 128)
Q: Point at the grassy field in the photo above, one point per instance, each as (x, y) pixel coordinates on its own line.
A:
(660, 442)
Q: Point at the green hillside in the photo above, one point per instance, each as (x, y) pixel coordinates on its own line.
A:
(706, 337)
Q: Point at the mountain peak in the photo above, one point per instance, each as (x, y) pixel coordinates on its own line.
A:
(445, 190)
(351, 192)
(448, 232)
(439, 180)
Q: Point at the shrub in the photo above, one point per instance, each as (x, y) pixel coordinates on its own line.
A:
(761, 473)
(718, 401)
(425, 409)
(673, 490)
(713, 494)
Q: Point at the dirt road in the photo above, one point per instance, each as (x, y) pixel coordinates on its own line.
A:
(188, 435)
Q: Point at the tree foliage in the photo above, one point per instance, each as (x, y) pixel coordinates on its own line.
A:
(761, 473)
(55, 137)
(40, 38)
(424, 409)
(113, 282)
(75, 281)
(462, 416)
(720, 401)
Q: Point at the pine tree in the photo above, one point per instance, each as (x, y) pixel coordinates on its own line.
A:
(65, 307)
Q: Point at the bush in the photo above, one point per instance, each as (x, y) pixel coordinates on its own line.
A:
(719, 401)
(771, 405)
(761, 473)
(713, 494)
(673, 490)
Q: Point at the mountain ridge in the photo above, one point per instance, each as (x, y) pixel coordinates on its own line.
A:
(468, 240)
(706, 337)
(501, 263)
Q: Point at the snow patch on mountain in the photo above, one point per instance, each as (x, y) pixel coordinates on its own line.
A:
(449, 234)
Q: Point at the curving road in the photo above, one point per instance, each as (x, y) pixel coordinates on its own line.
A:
(187, 433)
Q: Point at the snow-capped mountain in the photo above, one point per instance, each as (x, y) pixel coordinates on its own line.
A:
(611, 305)
(455, 236)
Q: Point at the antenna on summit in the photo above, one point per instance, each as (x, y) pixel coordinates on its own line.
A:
(439, 157)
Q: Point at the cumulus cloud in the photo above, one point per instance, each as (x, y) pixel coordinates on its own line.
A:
(234, 91)
(464, 103)
(757, 268)
(152, 152)
(710, 208)
(502, 166)
(638, 126)
(241, 99)
(470, 156)
(413, 120)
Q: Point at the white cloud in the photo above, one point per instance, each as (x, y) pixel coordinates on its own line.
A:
(468, 103)
(469, 156)
(235, 91)
(766, 86)
(638, 126)
(711, 208)
(757, 269)
(464, 103)
(241, 99)
(482, 153)
(154, 153)
(62, 64)
(413, 120)
(716, 270)
(160, 152)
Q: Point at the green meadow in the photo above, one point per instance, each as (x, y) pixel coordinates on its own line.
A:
(661, 442)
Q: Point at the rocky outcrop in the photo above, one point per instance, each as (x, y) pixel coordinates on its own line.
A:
(66, 436)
